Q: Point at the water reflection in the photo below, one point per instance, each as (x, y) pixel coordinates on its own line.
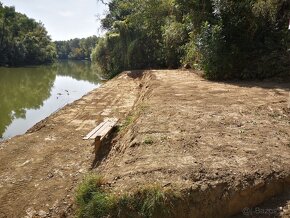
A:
(30, 94)
(79, 70)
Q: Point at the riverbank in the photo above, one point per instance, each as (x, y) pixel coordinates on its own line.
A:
(224, 146)
(39, 170)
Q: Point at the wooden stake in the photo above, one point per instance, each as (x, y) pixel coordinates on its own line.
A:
(97, 144)
(289, 101)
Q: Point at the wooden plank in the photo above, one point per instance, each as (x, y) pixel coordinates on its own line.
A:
(105, 129)
(89, 135)
(97, 144)
(102, 129)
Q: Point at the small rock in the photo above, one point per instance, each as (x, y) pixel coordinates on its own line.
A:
(50, 175)
(30, 213)
(117, 178)
(42, 213)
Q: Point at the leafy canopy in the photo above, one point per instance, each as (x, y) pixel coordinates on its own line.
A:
(227, 39)
(23, 40)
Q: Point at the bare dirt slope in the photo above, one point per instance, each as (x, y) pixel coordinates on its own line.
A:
(225, 146)
(39, 170)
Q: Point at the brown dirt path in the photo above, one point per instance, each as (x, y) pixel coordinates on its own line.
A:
(39, 170)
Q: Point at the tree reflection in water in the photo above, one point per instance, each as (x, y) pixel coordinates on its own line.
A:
(27, 88)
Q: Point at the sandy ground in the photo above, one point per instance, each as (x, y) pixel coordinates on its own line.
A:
(39, 170)
(225, 144)
(228, 142)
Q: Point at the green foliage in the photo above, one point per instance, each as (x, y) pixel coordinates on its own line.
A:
(227, 39)
(191, 56)
(109, 64)
(134, 40)
(210, 45)
(23, 40)
(244, 39)
(94, 201)
(88, 187)
(129, 119)
(147, 202)
(174, 37)
(78, 49)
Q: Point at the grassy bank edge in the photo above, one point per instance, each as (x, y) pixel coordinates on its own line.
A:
(95, 200)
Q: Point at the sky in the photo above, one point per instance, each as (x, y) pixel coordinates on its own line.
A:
(63, 19)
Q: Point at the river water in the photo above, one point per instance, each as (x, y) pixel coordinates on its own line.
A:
(30, 94)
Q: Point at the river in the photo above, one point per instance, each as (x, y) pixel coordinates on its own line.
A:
(30, 94)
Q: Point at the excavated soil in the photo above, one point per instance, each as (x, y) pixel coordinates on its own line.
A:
(224, 146)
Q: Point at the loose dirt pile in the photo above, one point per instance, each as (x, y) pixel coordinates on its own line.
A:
(224, 146)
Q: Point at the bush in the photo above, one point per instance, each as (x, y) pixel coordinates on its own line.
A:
(246, 39)
(214, 56)
(108, 55)
(174, 36)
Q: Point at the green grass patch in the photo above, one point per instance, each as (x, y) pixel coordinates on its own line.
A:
(133, 116)
(151, 201)
(148, 141)
(94, 201)
(128, 121)
(91, 198)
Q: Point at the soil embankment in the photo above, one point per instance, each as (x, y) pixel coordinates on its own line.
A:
(224, 146)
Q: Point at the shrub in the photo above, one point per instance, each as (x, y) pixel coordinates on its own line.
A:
(174, 36)
(245, 39)
(213, 52)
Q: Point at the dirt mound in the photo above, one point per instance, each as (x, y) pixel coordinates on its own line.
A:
(224, 146)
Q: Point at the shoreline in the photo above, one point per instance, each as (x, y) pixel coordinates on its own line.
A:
(46, 164)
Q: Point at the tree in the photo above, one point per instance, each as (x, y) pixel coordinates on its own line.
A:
(227, 39)
(23, 40)
(79, 49)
